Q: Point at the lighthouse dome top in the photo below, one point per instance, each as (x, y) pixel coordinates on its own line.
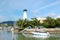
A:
(25, 10)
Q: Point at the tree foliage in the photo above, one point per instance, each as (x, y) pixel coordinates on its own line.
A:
(48, 22)
(58, 22)
(25, 23)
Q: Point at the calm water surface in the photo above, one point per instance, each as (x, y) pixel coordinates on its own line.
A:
(8, 36)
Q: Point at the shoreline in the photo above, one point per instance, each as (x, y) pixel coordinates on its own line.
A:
(50, 30)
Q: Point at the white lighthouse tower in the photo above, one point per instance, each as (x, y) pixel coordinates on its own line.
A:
(24, 14)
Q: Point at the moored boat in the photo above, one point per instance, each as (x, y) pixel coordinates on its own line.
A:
(40, 34)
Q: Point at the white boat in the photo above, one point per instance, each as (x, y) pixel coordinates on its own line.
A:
(40, 34)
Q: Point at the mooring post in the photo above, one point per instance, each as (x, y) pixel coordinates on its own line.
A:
(12, 29)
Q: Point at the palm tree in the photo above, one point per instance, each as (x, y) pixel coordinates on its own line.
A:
(35, 22)
(19, 23)
(23, 23)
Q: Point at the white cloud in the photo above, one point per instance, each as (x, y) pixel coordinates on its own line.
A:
(15, 18)
(9, 18)
(51, 14)
(34, 11)
(58, 16)
(3, 18)
(51, 4)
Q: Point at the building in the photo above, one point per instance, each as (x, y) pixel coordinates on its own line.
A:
(41, 19)
(25, 14)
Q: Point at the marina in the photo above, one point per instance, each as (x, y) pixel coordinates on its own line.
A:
(29, 19)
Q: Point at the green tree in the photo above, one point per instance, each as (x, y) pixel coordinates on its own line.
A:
(49, 22)
(58, 22)
(20, 23)
(35, 22)
(25, 23)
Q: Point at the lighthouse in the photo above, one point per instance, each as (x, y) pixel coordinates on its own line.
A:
(25, 14)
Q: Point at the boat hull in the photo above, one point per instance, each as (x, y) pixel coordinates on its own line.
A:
(35, 34)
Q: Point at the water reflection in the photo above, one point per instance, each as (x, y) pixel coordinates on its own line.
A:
(8, 36)
(4, 35)
(30, 37)
(35, 36)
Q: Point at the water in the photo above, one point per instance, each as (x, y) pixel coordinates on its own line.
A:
(8, 36)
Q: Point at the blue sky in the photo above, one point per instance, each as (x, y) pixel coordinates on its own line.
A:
(13, 9)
